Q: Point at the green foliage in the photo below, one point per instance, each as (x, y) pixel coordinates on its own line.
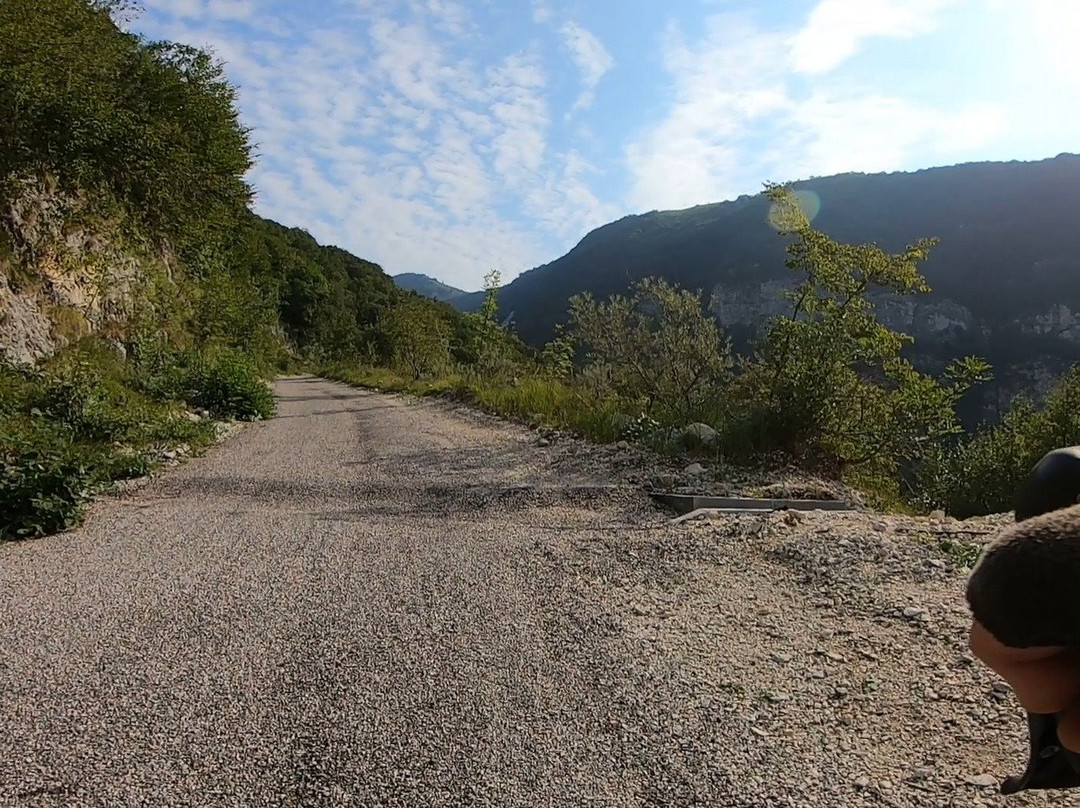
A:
(641, 428)
(86, 417)
(226, 383)
(420, 339)
(981, 473)
(827, 383)
(326, 303)
(46, 478)
(557, 356)
(150, 126)
(659, 347)
(82, 390)
(486, 345)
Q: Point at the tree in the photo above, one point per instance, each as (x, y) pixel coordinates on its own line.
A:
(659, 346)
(417, 335)
(557, 356)
(828, 380)
(980, 473)
(488, 345)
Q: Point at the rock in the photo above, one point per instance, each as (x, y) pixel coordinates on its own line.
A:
(169, 455)
(982, 780)
(665, 481)
(694, 470)
(543, 442)
(913, 612)
(697, 436)
(622, 445)
(194, 417)
(117, 348)
(938, 515)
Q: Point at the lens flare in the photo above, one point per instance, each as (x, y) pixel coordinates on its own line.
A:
(808, 201)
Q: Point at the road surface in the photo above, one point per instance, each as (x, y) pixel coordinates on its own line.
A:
(374, 601)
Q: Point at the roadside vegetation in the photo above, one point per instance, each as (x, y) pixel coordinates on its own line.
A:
(140, 143)
(825, 387)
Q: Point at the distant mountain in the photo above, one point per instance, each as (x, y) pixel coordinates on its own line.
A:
(1005, 277)
(429, 287)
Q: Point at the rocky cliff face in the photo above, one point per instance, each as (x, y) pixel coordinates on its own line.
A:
(63, 272)
(950, 328)
(753, 306)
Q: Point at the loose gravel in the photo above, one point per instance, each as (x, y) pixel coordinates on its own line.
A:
(376, 601)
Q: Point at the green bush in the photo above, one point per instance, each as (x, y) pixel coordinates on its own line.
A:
(46, 479)
(658, 347)
(980, 473)
(228, 385)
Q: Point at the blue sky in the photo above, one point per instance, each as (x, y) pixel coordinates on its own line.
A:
(451, 137)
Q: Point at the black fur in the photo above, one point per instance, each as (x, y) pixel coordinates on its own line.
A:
(1025, 589)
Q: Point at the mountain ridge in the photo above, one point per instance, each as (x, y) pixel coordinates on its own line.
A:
(1002, 277)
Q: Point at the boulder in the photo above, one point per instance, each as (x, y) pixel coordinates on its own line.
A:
(699, 436)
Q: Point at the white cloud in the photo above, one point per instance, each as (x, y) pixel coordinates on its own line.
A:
(519, 115)
(204, 10)
(541, 12)
(390, 138)
(835, 29)
(591, 58)
(740, 118)
(408, 57)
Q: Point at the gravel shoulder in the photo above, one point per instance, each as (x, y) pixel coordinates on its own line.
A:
(376, 601)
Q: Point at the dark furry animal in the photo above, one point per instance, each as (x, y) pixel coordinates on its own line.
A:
(1025, 589)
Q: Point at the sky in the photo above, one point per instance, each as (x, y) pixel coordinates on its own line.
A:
(453, 137)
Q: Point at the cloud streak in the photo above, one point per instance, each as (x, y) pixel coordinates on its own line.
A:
(591, 58)
(836, 29)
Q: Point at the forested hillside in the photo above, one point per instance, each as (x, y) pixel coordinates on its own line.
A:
(140, 297)
(142, 303)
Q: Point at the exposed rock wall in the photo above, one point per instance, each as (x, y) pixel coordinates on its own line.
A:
(64, 272)
(942, 328)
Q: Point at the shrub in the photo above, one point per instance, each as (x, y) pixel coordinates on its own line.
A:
(228, 385)
(46, 479)
(980, 474)
(658, 347)
(420, 339)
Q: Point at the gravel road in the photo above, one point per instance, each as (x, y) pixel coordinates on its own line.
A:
(375, 601)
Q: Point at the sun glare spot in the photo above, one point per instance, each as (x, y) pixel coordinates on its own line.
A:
(809, 203)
